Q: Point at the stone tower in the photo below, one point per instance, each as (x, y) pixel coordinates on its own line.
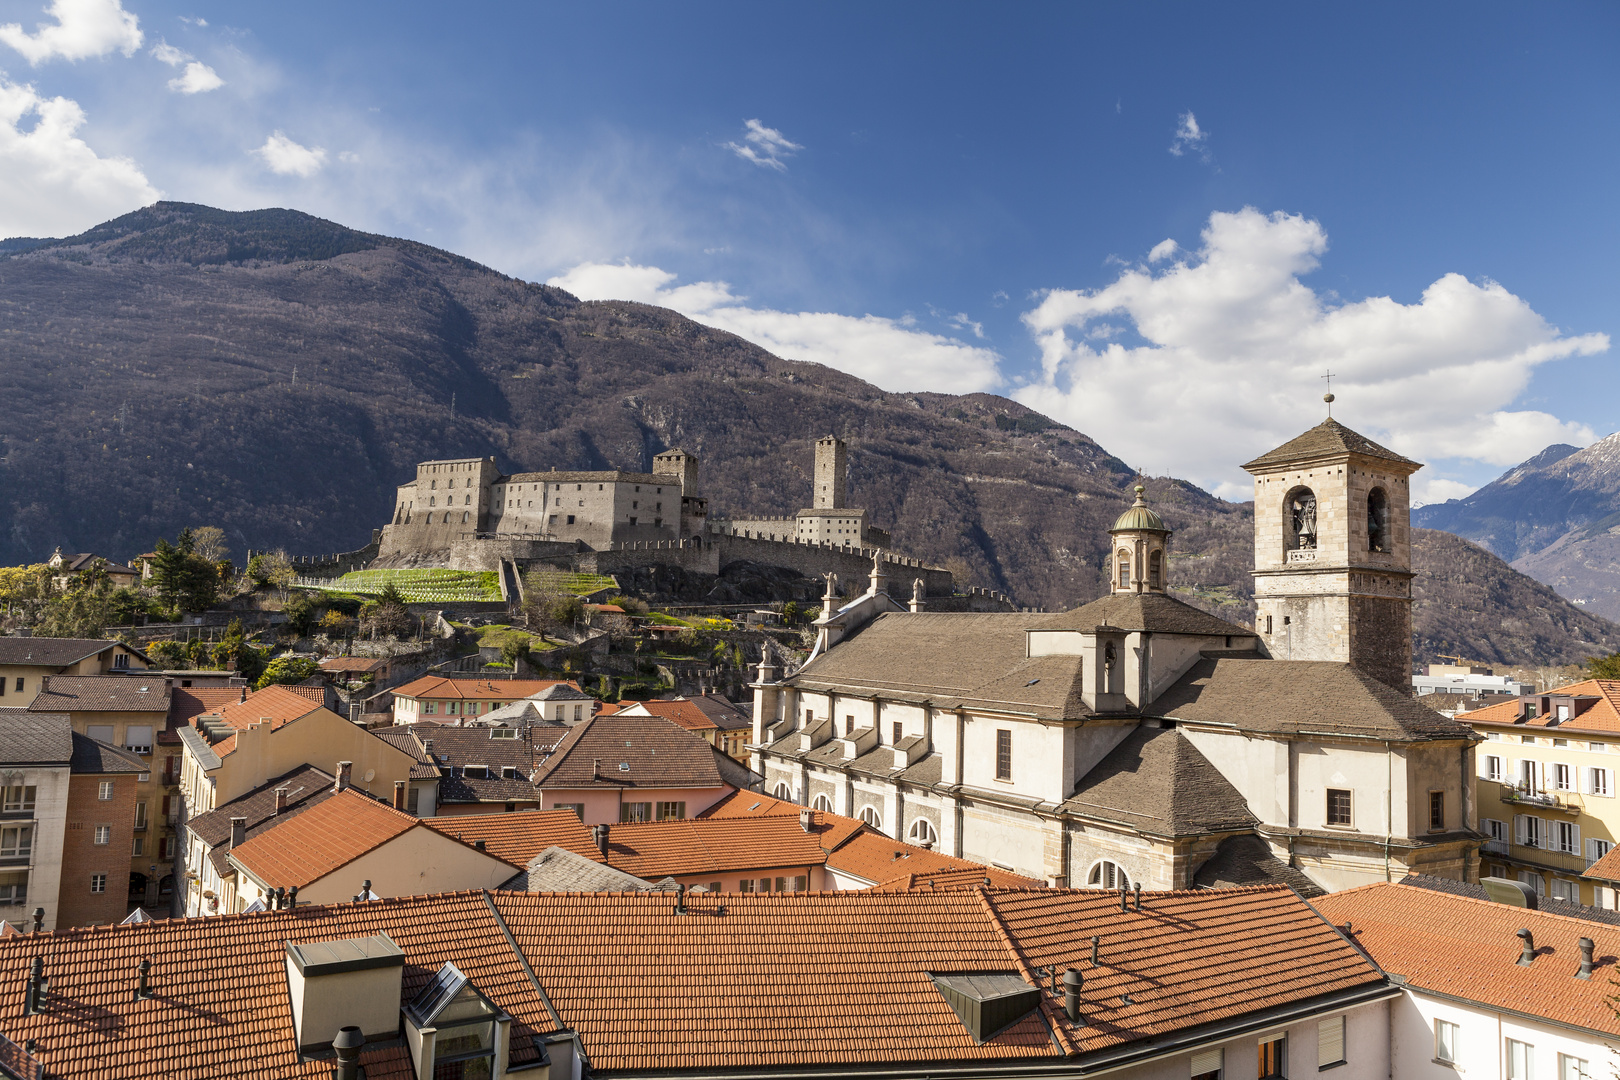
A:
(681, 465)
(832, 474)
(1141, 548)
(1333, 552)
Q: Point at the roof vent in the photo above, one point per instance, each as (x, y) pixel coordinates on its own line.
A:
(1527, 954)
(1586, 947)
(336, 984)
(988, 1002)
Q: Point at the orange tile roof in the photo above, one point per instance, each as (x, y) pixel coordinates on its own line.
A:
(333, 833)
(656, 849)
(1606, 868)
(188, 702)
(1467, 948)
(679, 711)
(756, 986)
(436, 686)
(943, 881)
(280, 705)
(520, 836)
(878, 858)
(1602, 715)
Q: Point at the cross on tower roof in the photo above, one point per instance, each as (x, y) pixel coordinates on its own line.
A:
(1328, 397)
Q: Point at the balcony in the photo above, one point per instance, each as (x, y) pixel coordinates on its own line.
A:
(1523, 795)
(1494, 847)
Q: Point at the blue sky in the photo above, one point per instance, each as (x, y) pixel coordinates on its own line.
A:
(1159, 223)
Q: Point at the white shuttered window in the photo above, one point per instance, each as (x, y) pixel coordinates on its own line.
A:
(1206, 1064)
(1330, 1042)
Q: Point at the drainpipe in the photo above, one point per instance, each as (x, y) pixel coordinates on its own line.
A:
(1389, 804)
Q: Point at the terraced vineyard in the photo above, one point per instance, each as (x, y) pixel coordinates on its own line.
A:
(423, 586)
(562, 581)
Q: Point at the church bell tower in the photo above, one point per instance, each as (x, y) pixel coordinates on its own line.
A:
(1333, 552)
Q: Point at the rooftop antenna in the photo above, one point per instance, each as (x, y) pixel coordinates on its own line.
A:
(1328, 397)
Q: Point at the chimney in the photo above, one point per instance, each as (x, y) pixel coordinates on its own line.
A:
(599, 833)
(1528, 955)
(333, 985)
(344, 770)
(281, 799)
(1137, 889)
(1123, 894)
(34, 994)
(347, 1046)
(39, 919)
(596, 768)
(1585, 944)
(807, 819)
(238, 831)
(1096, 950)
(1072, 981)
(399, 795)
(292, 898)
(142, 990)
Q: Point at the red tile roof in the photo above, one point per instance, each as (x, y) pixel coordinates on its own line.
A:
(757, 988)
(331, 834)
(280, 705)
(878, 858)
(1467, 948)
(678, 711)
(188, 702)
(520, 836)
(1606, 868)
(440, 688)
(1602, 715)
(653, 850)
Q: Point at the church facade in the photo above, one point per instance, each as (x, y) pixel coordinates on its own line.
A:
(1137, 739)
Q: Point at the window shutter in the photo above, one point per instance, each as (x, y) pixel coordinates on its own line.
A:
(1206, 1061)
(1330, 1041)
(1574, 839)
(1519, 829)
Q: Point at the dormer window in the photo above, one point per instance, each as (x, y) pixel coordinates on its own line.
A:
(455, 1030)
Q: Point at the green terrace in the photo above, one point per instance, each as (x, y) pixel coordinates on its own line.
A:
(422, 586)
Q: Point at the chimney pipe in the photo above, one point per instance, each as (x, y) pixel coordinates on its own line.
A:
(1096, 946)
(596, 768)
(1072, 981)
(1124, 891)
(1138, 890)
(1528, 955)
(142, 991)
(347, 1046)
(39, 919)
(34, 996)
(292, 897)
(806, 819)
(399, 795)
(1585, 944)
(365, 889)
(344, 770)
(238, 832)
(281, 799)
(599, 833)
(680, 899)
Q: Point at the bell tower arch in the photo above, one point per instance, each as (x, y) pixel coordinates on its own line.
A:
(1333, 552)
(1141, 543)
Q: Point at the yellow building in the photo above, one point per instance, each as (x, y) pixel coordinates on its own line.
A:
(25, 662)
(1546, 789)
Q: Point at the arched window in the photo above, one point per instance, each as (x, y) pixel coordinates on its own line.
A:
(1122, 563)
(822, 803)
(1108, 875)
(870, 815)
(1299, 520)
(464, 517)
(922, 833)
(1156, 570)
(467, 501)
(1377, 520)
(784, 792)
(431, 500)
(430, 519)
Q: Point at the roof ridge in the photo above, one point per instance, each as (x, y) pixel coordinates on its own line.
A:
(1057, 1023)
(1542, 912)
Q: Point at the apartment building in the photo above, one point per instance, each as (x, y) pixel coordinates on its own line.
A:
(1546, 788)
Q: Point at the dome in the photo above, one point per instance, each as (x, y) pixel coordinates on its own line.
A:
(1139, 517)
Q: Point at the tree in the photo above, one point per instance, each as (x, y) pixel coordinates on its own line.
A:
(387, 616)
(209, 543)
(513, 649)
(166, 654)
(790, 612)
(1604, 667)
(336, 624)
(301, 612)
(547, 607)
(278, 572)
(287, 671)
(184, 581)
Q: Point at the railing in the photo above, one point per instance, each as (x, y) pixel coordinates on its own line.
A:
(1494, 847)
(1525, 795)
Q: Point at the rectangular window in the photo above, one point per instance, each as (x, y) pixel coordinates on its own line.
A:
(98, 883)
(100, 732)
(636, 811)
(139, 847)
(1271, 1059)
(1445, 1041)
(1565, 890)
(19, 684)
(1563, 777)
(671, 811)
(1437, 810)
(104, 790)
(19, 797)
(1338, 806)
(1596, 849)
(1571, 1067)
(899, 732)
(17, 842)
(849, 725)
(1566, 837)
(1534, 880)
(1329, 1042)
(745, 885)
(413, 800)
(103, 834)
(1526, 830)
(140, 815)
(570, 519)
(1520, 1060)
(1003, 754)
(429, 708)
(1600, 782)
(138, 738)
(1597, 747)
(1493, 767)
(13, 887)
(781, 884)
(1496, 830)
(1207, 1064)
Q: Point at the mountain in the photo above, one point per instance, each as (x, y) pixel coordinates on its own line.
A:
(278, 375)
(1555, 517)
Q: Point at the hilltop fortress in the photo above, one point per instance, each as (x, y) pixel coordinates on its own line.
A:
(466, 515)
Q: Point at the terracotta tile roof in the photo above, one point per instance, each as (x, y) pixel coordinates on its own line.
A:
(518, 837)
(317, 694)
(656, 849)
(678, 711)
(102, 693)
(353, 663)
(438, 687)
(1606, 868)
(1327, 439)
(306, 847)
(305, 786)
(186, 703)
(280, 705)
(1467, 948)
(625, 752)
(877, 858)
(1477, 891)
(1599, 712)
(944, 881)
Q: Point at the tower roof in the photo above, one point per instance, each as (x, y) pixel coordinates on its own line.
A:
(1327, 439)
(1139, 517)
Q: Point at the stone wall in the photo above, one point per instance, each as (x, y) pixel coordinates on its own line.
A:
(336, 564)
(487, 554)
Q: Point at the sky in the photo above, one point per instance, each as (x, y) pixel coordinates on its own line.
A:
(1161, 224)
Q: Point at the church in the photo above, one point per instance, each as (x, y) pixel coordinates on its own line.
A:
(1137, 739)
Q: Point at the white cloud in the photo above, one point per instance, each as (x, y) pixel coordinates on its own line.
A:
(1234, 344)
(764, 146)
(883, 351)
(1190, 137)
(51, 182)
(197, 78)
(1163, 250)
(83, 28)
(287, 158)
(1435, 489)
